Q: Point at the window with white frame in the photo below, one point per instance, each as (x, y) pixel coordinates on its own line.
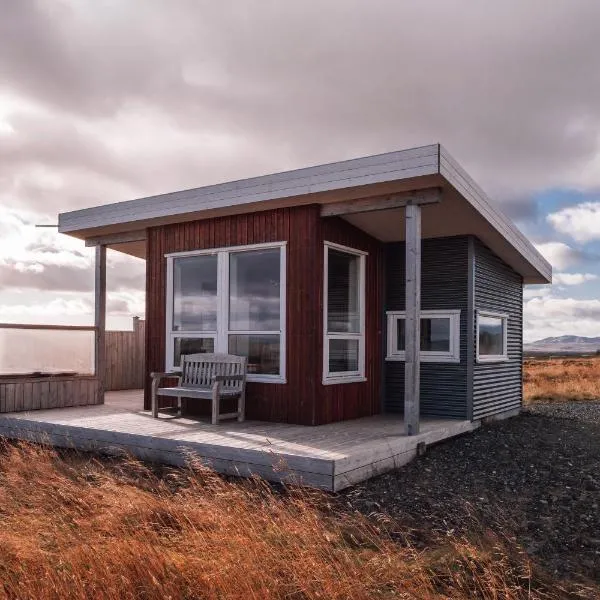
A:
(229, 300)
(492, 336)
(343, 314)
(440, 335)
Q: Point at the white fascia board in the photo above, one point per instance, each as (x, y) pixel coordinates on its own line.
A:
(467, 187)
(381, 168)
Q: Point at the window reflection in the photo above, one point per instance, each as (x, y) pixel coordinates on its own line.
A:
(435, 334)
(184, 346)
(343, 304)
(254, 282)
(343, 355)
(491, 336)
(262, 352)
(195, 293)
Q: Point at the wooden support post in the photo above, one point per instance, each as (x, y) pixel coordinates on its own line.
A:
(412, 324)
(100, 319)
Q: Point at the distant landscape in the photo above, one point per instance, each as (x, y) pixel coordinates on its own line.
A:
(564, 344)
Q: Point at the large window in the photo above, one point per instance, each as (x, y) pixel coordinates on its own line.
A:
(491, 336)
(440, 335)
(229, 300)
(343, 315)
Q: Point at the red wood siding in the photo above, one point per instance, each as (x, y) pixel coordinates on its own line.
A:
(303, 399)
(339, 402)
(292, 402)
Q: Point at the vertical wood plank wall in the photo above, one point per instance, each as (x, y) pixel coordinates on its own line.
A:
(125, 358)
(292, 402)
(18, 394)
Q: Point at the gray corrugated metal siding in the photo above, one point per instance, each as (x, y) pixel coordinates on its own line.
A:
(444, 274)
(497, 387)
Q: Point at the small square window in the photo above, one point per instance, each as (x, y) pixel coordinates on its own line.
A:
(440, 335)
(491, 337)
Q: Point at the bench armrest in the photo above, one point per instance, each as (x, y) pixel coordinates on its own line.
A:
(228, 377)
(163, 375)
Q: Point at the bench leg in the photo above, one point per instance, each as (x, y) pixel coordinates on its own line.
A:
(179, 411)
(242, 407)
(155, 383)
(215, 403)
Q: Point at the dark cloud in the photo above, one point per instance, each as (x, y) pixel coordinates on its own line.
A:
(51, 278)
(117, 306)
(511, 88)
(520, 208)
(36, 275)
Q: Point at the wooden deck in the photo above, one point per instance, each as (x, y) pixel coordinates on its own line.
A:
(331, 457)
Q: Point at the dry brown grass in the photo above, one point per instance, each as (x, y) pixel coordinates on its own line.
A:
(561, 379)
(74, 527)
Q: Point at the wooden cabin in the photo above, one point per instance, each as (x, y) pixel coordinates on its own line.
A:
(385, 284)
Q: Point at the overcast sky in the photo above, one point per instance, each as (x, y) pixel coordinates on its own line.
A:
(102, 101)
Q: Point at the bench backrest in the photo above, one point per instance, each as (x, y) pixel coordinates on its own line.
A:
(197, 370)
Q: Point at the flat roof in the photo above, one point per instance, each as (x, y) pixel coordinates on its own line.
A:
(464, 209)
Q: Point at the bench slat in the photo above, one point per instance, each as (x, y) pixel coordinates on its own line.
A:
(193, 392)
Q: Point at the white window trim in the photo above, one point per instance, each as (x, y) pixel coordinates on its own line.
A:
(331, 378)
(492, 358)
(453, 356)
(221, 336)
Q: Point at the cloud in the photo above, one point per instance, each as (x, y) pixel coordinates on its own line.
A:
(42, 312)
(93, 110)
(43, 260)
(535, 291)
(572, 278)
(265, 86)
(546, 316)
(581, 222)
(560, 255)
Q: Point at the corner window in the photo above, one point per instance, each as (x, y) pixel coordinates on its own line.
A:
(343, 314)
(440, 335)
(229, 300)
(492, 337)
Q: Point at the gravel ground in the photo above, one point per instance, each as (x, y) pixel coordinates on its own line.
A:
(583, 411)
(536, 476)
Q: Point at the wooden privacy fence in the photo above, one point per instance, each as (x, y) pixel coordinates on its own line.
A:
(125, 360)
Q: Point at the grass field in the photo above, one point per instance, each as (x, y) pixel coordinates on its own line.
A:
(561, 379)
(74, 527)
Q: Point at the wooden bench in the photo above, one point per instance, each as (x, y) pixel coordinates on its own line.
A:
(206, 377)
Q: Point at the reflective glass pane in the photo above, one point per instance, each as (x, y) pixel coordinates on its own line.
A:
(491, 336)
(435, 334)
(195, 293)
(343, 356)
(184, 346)
(400, 329)
(262, 352)
(343, 293)
(46, 351)
(254, 290)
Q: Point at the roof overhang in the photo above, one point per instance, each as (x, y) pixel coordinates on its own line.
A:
(463, 209)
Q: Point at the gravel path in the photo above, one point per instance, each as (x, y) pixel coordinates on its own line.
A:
(536, 476)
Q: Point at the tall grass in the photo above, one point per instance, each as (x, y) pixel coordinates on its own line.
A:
(561, 379)
(74, 527)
